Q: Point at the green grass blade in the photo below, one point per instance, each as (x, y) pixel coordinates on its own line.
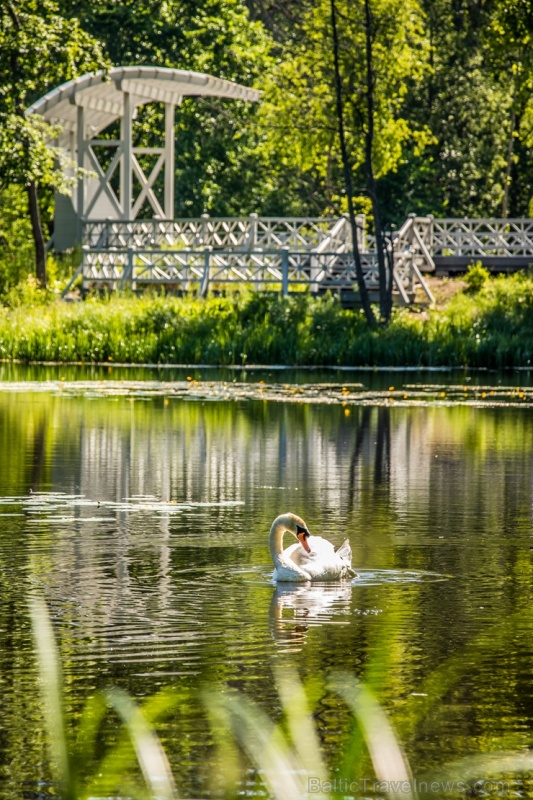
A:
(51, 682)
(388, 760)
(302, 730)
(89, 725)
(264, 743)
(150, 754)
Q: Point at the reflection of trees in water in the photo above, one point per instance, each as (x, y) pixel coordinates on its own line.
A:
(339, 458)
(383, 447)
(363, 469)
(373, 439)
(362, 434)
(38, 453)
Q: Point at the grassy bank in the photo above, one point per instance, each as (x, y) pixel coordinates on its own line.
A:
(489, 323)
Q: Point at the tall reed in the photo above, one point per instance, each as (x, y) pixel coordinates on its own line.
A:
(78, 773)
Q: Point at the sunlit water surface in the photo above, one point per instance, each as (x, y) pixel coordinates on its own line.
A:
(144, 522)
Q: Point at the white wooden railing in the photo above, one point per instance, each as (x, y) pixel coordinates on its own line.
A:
(411, 248)
(441, 237)
(245, 233)
(281, 270)
(505, 238)
(294, 252)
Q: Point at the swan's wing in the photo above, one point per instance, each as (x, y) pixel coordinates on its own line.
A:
(320, 548)
(345, 551)
(322, 563)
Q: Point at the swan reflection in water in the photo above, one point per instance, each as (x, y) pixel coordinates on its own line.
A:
(296, 608)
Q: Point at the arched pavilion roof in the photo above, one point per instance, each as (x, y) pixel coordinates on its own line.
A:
(102, 94)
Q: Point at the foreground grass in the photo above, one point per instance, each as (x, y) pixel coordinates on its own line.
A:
(254, 753)
(490, 325)
(287, 758)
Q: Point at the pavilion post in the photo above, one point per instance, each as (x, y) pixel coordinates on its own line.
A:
(169, 160)
(80, 188)
(127, 153)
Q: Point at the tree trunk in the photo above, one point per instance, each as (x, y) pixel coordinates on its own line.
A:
(37, 230)
(33, 198)
(507, 180)
(384, 271)
(361, 285)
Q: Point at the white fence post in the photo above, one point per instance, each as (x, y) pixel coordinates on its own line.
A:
(205, 230)
(127, 274)
(285, 271)
(252, 236)
(204, 287)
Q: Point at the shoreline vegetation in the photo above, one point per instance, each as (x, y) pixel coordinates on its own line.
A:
(478, 322)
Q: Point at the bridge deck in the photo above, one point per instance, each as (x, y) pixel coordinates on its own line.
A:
(457, 265)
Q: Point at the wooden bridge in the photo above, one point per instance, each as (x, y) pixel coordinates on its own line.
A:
(283, 254)
(288, 254)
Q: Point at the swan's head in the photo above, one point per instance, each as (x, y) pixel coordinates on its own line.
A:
(298, 528)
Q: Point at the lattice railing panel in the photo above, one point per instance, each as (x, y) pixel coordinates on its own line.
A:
(104, 268)
(279, 269)
(483, 237)
(252, 268)
(296, 233)
(246, 233)
(327, 270)
(163, 267)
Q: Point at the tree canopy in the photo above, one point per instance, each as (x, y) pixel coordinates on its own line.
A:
(39, 49)
(453, 99)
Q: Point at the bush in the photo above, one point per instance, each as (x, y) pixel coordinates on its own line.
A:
(28, 293)
(17, 258)
(476, 277)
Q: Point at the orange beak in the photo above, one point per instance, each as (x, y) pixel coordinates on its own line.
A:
(302, 538)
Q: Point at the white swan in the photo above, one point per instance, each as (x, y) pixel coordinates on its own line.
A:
(312, 558)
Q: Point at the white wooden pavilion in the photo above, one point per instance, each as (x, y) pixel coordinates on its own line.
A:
(86, 106)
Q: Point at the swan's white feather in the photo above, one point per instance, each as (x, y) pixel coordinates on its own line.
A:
(323, 562)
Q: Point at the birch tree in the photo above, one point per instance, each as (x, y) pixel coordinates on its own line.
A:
(380, 48)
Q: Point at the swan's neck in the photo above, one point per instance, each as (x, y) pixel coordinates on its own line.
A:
(279, 526)
(276, 540)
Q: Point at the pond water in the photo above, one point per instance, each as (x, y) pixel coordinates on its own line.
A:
(143, 520)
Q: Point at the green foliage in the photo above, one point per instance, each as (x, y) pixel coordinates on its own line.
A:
(39, 49)
(287, 755)
(466, 99)
(476, 277)
(17, 258)
(286, 749)
(49, 49)
(27, 155)
(16, 246)
(508, 50)
(299, 103)
(491, 328)
(28, 294)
